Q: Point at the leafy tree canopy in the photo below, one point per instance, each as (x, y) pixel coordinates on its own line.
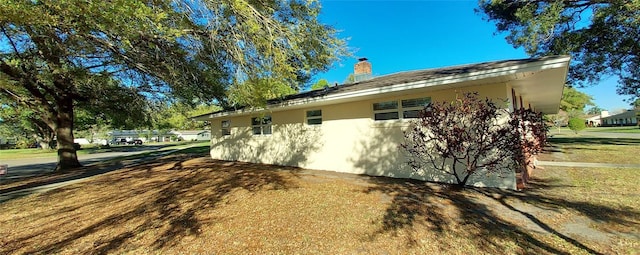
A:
(636, 104)
(320, 84)
(177, 116)
(24, 124)
(601, 36)
(56, 56)
(574, 100)
(256, 92)
(595, 110)
(350, 79)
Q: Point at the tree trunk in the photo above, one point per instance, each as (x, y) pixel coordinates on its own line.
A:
(67, 157)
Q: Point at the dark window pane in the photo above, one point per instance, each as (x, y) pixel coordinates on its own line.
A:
(315, 113)
(257, 130)
(410, 114)
(225, 131)
(266, 130)
(225, 123)
(314, 121)
(386, 116)
(255, 121)
(385, 105)
(416, 102)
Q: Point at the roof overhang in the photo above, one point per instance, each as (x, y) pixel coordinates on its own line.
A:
(540, 82)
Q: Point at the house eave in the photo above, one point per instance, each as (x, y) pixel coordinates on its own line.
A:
(451, 81)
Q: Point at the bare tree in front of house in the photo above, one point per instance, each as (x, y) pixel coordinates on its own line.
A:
(461, 138)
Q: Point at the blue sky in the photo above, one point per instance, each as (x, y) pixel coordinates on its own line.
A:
(400, 36)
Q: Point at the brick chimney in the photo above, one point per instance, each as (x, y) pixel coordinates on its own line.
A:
(362, 70)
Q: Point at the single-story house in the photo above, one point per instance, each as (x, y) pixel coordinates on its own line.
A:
(193, 135)
(626, 118)
(357, 128)
(596, 119)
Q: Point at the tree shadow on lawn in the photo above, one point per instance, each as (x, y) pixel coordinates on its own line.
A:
(93, 168)
(473, 216)
(573, 144)
(164, 198)
(593, 140)
(56, 177)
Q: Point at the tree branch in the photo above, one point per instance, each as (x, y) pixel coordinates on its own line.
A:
(13, 44)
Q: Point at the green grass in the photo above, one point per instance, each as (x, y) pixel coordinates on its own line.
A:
(25, 153)
(627, 129)
(201, 149)
(631, 129)
(598, 150)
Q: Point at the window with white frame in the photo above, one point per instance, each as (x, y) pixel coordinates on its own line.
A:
(226, 128)
(314, 117)
(402, 109)
(412, 107)
(261, 125)
(386, 110)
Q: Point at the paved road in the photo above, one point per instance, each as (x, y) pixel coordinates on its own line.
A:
(20, 168)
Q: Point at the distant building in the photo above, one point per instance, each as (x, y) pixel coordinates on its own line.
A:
(627, 118)
(596, 120)
(194, 135)
(8, 140)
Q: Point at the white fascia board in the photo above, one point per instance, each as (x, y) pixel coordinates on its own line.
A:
(457, 78)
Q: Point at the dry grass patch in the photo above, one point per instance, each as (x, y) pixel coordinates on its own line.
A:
(186, 205)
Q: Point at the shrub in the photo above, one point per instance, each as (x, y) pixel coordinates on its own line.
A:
(471, 134)
(576, 124)
(460, 138)
(23, 144)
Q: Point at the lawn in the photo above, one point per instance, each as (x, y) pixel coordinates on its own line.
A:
(629, 129)
(25, 153)
(625, 129)
(596, 150)
(189, 204)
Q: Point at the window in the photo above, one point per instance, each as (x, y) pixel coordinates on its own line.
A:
(314, 117)
(412, 107)
(261, 125)
(226, 128)
(385, 110)
(406, 109)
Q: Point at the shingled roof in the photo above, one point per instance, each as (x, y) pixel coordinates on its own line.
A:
(399, 78)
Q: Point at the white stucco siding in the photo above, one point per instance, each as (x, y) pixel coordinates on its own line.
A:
(348, 140)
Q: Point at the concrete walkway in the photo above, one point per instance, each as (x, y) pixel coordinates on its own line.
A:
(585, 164)
(75, 179)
